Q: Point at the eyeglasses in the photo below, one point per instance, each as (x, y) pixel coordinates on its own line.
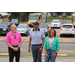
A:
(14, 36)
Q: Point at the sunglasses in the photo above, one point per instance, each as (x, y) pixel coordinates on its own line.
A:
(14, 36)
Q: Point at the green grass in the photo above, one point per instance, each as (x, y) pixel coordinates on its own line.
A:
(30, 54)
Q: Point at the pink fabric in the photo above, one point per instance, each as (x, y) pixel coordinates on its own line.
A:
(50, 41)
(10, 38)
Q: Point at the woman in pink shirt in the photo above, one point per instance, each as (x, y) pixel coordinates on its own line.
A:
(14, 41)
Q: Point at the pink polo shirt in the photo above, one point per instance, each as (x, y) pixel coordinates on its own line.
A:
(10, 38)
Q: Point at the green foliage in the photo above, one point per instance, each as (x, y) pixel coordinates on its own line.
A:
(22, 16)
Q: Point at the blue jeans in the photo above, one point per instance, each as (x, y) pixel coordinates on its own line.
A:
(50, 53)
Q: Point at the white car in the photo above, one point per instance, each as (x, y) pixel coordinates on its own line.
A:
(55, 23)
(67, 29)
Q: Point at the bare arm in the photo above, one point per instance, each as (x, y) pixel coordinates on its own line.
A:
(43, 40)
(56, 51)
(20, 44)
(29, 44)
(9, 45)
(46, 53)
(14, 48)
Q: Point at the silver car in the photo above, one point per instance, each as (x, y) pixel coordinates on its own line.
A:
(23, 29)
(45, 28)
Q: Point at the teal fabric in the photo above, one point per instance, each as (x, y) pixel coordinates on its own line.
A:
(55, 43)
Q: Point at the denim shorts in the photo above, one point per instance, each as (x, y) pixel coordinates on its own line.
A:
(50, 53)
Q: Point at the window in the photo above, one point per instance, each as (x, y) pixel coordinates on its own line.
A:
(3, 24)
(33, 17)
(67, 26)
(22, 26)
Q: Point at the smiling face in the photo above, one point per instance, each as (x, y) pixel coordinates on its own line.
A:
(35, 26)
(52, 33)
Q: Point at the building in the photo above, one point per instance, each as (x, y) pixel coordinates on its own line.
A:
(59, 14)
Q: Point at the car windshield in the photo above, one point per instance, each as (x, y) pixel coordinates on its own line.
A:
(43, 26)
(74, 18)
(33, 17)
(0, 17)
(3, 24)
(22, 26)
(67, 26)
(14, 20)
(55, 21)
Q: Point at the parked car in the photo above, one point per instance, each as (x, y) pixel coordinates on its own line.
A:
(23, 29)
(4, 27)
(67, 29)
(45, 28)
(15, 21)
(55, 24)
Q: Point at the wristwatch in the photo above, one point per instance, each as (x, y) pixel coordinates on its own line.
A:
(55, 53)
(41, 47)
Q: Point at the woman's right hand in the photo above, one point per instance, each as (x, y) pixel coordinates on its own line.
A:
(47, 56)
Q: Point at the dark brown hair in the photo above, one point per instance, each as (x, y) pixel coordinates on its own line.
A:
(50, 31)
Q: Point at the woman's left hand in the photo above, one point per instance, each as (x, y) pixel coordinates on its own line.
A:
(53, 56)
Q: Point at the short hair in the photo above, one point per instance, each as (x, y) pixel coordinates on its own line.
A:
(12, 26)
(50, 31)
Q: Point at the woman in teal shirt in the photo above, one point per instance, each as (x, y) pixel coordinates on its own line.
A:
(51, 46)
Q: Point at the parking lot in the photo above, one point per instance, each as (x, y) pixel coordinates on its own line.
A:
(67, 39)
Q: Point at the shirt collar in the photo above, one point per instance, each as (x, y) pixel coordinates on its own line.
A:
(12, 33)
(38, 29)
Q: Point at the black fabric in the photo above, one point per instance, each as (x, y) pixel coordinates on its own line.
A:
(13, 53)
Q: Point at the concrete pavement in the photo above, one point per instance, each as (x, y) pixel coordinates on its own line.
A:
(30, 59)
(64, 47)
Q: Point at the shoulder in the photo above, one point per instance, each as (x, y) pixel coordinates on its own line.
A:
(56, 38)
(31, 30)
(47, 37)
(9, 33)
(41, 30)
(18, 33)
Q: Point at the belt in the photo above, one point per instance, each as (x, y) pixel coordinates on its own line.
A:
(15, 46)
(36, 44)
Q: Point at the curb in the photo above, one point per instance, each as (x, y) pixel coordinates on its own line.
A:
(4, 54)
(62, 55)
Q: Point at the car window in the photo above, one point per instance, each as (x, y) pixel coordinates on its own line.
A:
(55, 21)
(43, 26)
(67, 26)
(33, 17)
(14, 20)
(22, 26)
(3, 24)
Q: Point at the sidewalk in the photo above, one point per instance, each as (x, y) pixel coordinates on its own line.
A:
(30, 59)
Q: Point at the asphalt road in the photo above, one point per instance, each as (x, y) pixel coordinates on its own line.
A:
(64, 47)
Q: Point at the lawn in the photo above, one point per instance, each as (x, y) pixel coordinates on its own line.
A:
(30, 54)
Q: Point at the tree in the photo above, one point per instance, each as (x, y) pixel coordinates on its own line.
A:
(22, 16)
